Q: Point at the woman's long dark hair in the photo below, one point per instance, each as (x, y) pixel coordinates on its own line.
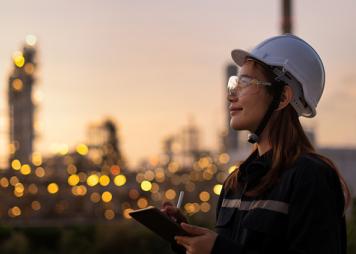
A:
(288, 144)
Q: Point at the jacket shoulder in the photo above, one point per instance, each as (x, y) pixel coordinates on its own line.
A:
(311, 171)
(309, 165)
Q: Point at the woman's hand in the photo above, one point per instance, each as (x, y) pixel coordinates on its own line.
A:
(173, 212)
(201, 241)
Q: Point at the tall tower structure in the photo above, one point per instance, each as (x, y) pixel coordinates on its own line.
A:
(21, 106)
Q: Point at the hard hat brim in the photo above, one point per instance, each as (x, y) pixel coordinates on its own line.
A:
(239, 56)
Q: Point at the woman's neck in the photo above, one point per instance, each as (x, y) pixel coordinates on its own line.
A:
(263, 144)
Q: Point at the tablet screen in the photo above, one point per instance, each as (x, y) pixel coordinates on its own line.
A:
(158, 222)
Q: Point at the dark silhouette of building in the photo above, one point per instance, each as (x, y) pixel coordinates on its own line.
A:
(104, 146)
(190, 140)
(168, 148)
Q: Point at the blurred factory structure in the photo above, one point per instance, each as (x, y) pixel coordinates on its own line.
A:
(21, 106)
(103, 144)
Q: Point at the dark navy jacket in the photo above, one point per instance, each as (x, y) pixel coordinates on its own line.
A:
(302, 213)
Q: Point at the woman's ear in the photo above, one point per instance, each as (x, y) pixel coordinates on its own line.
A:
(286, 97)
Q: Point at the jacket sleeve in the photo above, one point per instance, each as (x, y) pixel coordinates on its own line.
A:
(315, 223)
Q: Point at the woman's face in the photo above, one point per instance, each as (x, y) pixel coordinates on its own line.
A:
(248, 109)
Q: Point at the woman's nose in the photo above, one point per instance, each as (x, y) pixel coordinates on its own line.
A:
(231, 98)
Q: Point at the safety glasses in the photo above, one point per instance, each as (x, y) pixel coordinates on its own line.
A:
(243, 85)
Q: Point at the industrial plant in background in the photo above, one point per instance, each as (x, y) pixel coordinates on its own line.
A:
(21, 107)
(92, 182)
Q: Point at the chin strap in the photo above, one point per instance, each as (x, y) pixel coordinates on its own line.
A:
(254, 137)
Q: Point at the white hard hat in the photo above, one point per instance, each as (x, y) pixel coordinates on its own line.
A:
(298, 65)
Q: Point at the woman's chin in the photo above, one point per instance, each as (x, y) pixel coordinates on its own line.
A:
(236, 126)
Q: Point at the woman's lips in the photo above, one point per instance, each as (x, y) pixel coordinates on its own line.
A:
(234, 110)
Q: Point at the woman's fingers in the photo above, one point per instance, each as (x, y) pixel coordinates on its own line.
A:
(170, 210)
(201, 240)
(193, 230)
(173, 212)
(166, 203)
(182, 240)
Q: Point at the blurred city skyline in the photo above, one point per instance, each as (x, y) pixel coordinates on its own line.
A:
(152, 65)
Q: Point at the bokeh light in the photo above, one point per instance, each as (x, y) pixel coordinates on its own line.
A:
(224, 158)
(217, 189)
(149, 175)
(104, 180)
(93, 180)
(82, 149)
(106, 196)
(109, 214)
(73, 180)
(173, 167)
(170, 194)
(52, 188)
(17, 85)
(71, 169)
(40, 172)
(120, 180)
(37, 159)
(36, 205)
(16, 164)
(14, 180)
(4, 182)
(14, 211)
(25, 169)
(146, 185)
(126, 213)
(232, 169)
(142, 202)
(95, 197)
(204, 196)
(31, 40)
(79, 190)
(18, 59)
(205, 207)
(115, 170)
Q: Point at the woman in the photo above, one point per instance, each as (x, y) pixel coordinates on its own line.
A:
(284, 198)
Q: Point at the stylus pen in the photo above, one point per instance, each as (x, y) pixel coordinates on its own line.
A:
(180, 199)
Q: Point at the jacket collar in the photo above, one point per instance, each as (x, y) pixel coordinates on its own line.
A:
(255, 167)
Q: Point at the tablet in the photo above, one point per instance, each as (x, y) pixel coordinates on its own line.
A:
(158, 222)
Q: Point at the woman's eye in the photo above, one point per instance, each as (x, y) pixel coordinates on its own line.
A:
(244, 82)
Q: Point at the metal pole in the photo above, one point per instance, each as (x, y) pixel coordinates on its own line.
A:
(287, 26)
